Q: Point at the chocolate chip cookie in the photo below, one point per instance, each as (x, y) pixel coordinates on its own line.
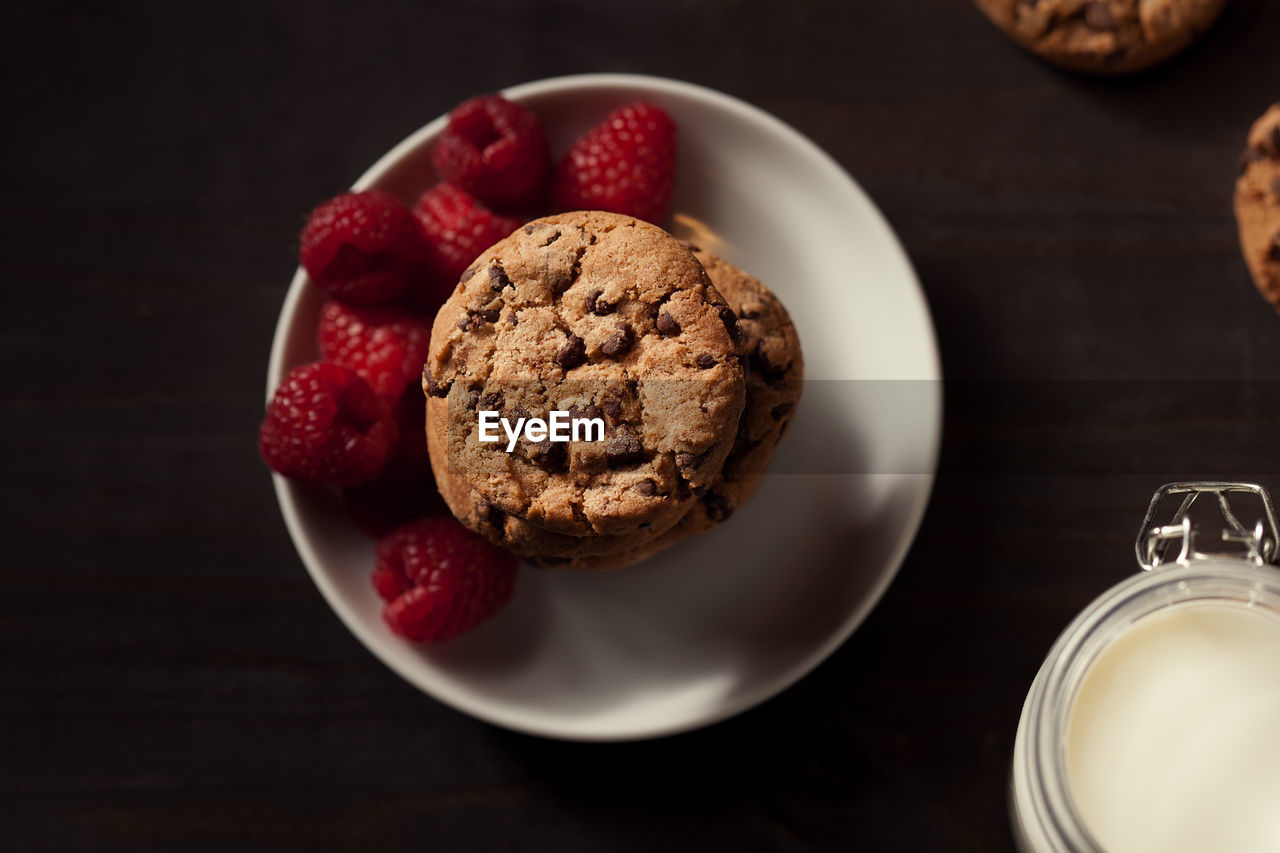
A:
(1104, 36)
(601, 316)
(1258, 204)
(774, 385)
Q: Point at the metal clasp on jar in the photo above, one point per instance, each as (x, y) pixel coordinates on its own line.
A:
(1156, 543)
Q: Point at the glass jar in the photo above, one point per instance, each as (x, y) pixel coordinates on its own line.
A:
(1046, 817)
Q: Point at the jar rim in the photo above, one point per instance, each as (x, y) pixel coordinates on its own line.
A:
(1052, 697)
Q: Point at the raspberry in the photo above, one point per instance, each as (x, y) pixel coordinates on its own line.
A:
(626, 164)
(495, 150)
(325, 424)
(439, 579)
(458, 229)
(362, 248)
(385, 347)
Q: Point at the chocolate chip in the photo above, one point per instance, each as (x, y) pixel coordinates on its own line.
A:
(1273, 253)
(531, 227)
(486, 511)
(593, 411)
(623, 449)
(554, 237)
(686, 460)
(489, 315)
(468, 273)
(498, 278)
(546, 454)
(516, 413)
(718, 507)
(436, 389)
(647, 488)
(1249, 156)
(596, 305)
(667, 325)
(619, 343)
(561, 282)
(750, 312)
(491, 401)
(1098, 16)
(692, 247)
(512, 319)
(473, 399)
(573, 353)
(730, 321)
(705, 361)
(464, 323)
(781, 410)
(612, 406)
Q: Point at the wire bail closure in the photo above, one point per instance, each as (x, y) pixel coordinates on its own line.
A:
(1156, 542)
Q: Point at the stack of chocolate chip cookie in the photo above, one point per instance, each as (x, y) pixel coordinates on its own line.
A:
(690, 369)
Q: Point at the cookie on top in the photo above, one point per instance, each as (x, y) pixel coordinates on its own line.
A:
(602, 316)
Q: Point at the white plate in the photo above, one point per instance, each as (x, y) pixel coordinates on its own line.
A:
(729, 619)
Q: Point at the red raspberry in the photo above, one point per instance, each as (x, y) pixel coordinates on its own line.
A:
(495, 150)
(384, 346)
(626, 164)
(440, 580)
(363, 248)
(458, 229)
(325, 424)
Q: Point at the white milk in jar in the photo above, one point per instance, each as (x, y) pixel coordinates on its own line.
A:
(1153, 725)
(1173, 741)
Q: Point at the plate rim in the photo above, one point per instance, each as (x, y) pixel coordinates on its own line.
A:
(502, 716)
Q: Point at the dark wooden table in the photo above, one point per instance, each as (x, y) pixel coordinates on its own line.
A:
(171, 680)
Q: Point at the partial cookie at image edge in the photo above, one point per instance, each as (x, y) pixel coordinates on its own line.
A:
(1257, 204)
(1103, 36)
